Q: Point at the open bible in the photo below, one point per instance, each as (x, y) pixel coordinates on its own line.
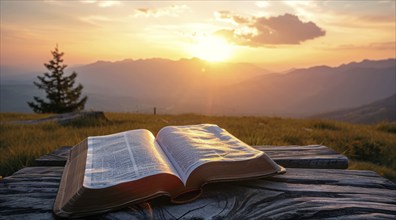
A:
(109, 172)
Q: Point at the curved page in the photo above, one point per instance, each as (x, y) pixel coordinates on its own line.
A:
(123, 157)
(188, 147)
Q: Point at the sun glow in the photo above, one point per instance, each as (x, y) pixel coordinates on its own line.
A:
(213, 49)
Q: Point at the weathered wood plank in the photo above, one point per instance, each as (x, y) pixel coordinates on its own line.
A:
(312, 156)
(300, 193)
(56, 158)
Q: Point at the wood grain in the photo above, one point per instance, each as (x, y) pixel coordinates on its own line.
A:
(311, 156)
(300, 193)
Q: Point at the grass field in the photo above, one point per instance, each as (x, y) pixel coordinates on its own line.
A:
(368, 146)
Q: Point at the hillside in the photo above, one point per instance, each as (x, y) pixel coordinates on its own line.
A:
(13, 97)
(382, 110)
(304, 92)
(172, 86)
(193, 85)
(135, 85)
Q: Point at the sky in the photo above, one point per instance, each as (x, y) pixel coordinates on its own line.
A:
(277, 35)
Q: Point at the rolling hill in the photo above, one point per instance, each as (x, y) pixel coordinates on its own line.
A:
(305, 92)
(161, 82)
(382, 110)
(193, 85)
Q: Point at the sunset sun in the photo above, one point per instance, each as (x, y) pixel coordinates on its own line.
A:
(213, 49)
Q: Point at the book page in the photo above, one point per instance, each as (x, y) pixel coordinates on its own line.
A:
(123, 157)
(188, 147)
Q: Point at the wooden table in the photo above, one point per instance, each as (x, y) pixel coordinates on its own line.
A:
(301, 193)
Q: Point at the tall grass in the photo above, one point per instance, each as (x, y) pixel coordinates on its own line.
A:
(371, 144)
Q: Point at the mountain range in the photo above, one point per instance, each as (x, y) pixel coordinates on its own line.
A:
(314, 90)
(382, 110)
(196, 86)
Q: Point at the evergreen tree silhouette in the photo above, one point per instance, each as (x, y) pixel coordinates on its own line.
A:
(61, 94)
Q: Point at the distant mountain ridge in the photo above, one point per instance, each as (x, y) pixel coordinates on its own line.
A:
(302, 92)
(382, 110)
(196, 86)
(171, 86)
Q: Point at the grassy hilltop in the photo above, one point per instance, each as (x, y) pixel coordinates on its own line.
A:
(367, 146)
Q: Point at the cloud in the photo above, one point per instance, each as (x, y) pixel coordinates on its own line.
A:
(262, 4)
(378, 18)
(94, 19)
(55, 2)
(172, 11)
(227, 16)
(383, 46)
(372, 46)
(102, 3)
(262, 31)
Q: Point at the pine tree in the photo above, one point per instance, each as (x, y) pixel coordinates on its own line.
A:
(61, 94)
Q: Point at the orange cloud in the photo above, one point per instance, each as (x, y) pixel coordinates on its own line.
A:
(173, 11)
(261, 31)
(227, 16)
(376, 46)
(102, 3)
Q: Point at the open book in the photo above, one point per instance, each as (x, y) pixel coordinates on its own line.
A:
(105, 173)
